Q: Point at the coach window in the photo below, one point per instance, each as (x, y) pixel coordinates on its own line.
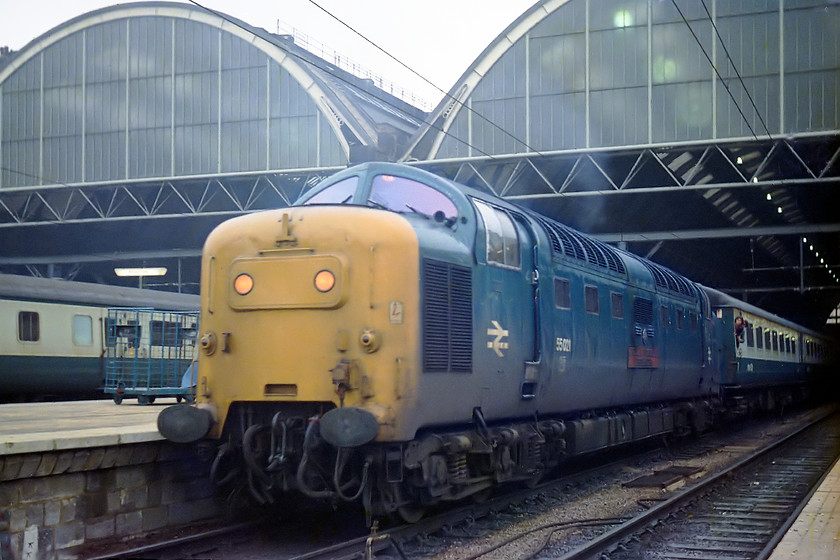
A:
(775, 339)
(562, 294)
(590, 299)
(767, 339)
(338, 193)
(502, 239)
(29, 326)
(82, 330)
(759, 338)
(617, 305)
(787, 344)
(750, 335)
(793, 345)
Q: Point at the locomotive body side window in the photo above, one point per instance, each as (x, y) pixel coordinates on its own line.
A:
(339, 193)
(664, 316)
(502, 238)
(29, 326)
(562, 294)
(692, 320)
(82, 330)
(400, 194)
(617, 305)
(590, 300)
(680, 316)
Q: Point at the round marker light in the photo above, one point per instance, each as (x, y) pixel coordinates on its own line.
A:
(324, 281)
(243, 284)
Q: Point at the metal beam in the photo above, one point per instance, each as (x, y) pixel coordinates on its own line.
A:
(720, 233)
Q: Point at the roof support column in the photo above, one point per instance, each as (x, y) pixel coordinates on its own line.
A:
(781, 67)
(586, 76)
(41, 119)
(127, 93)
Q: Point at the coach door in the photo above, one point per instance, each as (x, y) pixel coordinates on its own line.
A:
(510, 315)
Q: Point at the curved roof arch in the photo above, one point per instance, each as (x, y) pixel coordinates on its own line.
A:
(455, 100)
(583, 74)
(229, 24)
(343, 112)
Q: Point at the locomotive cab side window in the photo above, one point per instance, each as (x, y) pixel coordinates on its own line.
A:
(29, 326)
(502, 238)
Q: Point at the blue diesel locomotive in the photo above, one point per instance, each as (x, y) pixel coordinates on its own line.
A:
(400, 339)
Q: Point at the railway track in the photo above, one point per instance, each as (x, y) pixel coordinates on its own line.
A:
(548, 521)
(740, 513)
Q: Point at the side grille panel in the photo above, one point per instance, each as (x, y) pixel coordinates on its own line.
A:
(447, 317)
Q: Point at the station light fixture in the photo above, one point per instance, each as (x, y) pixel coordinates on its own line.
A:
(141, 272)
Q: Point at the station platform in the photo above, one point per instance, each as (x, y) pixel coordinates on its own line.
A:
(54, 426)
(815, 535)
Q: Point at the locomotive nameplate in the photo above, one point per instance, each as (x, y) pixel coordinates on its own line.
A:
(288, 282)
(642, 357)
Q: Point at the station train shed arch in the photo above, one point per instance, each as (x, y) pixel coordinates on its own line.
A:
(704, 135)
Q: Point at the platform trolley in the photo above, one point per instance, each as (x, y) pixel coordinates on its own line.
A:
(150, 353)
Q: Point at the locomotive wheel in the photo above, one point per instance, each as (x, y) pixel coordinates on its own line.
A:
(411, 513)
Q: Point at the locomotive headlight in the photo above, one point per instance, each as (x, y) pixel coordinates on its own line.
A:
(324, 281)
(243, 284)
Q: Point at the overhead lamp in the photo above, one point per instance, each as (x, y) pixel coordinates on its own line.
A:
(739, 161)
(141, 272)
(779, 209)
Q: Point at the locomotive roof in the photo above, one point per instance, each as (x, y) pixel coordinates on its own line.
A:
(64, 291)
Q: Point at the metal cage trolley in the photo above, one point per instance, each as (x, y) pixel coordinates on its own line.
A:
(150, 354)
